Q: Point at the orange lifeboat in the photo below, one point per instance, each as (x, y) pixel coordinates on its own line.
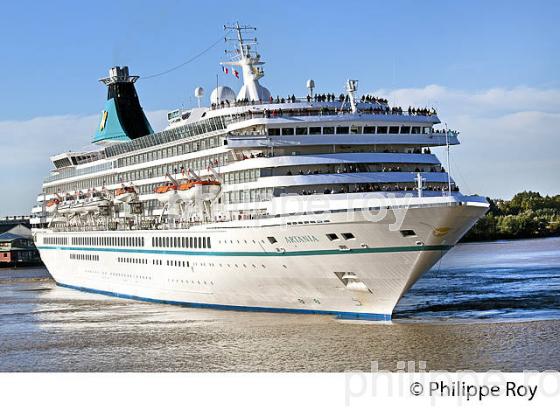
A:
(125, 194)
(199, 190)
(166, 192)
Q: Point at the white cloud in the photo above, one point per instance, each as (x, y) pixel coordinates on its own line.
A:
(483, 103)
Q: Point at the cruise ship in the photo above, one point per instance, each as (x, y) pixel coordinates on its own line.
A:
(325, 203)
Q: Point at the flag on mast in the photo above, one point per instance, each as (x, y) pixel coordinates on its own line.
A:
(225, 70)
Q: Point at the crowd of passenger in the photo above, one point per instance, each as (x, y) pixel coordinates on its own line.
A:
(355, 168)
(269, 154)
(386, 110)
(378, 105)
(362, 188)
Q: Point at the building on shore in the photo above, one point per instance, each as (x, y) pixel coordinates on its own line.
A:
(16, 243)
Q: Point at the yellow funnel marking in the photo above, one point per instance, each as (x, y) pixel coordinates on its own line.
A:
(440, 231)
(103, 120)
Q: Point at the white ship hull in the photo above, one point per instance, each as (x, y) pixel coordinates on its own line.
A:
(303, 272)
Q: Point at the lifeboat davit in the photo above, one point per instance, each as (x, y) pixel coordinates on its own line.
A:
(83, 206)
(125, 194)
(90, 205)
(65, 206)
(199, 190)
(166, 193)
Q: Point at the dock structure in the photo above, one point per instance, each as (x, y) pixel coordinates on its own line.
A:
(16, 242)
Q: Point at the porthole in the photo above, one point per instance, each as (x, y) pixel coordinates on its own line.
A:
(406, 233)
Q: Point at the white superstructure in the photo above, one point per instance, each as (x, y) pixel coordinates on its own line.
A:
(322, 204)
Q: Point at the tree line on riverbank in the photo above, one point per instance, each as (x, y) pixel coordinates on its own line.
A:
(526, 215)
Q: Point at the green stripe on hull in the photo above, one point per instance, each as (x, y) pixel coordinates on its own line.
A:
(391, 249)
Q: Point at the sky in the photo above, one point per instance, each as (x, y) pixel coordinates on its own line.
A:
(492, 69)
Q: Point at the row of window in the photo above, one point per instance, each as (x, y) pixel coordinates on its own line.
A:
(180, 149)
(124, 241)
(84, 257)
(171, 263)
(354, 129)
(130, 276)
(133, 260)
(308, 222)
(55, 241)
(346, 236)
(239, 177)
(248, 195)
(192, 282)
(187, 131)
(178, 264)
(72, 172)
(182, 242)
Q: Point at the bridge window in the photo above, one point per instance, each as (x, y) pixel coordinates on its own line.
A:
(342, 130)
(287, 131)
(382, 130)
(393, 130)
(369, 130)
(328, 130)
(274, 131)
(355, 129)
(314, 130)
(405, 130)
(347, 236)
(301, 131)
(332, 236)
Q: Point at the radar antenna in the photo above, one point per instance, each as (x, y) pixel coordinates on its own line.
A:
(351, 88)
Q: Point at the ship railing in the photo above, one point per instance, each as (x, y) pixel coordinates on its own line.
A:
(314, 112)
(326, 108)
(73, 172)
(292, 100)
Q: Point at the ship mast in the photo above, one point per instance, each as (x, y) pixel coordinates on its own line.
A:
(249, 61)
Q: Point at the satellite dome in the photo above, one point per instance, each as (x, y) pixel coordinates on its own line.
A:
(222, 93)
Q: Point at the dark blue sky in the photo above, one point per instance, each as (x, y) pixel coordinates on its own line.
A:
(57, 50)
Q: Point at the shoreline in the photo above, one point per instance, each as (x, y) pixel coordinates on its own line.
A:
(497, 240)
